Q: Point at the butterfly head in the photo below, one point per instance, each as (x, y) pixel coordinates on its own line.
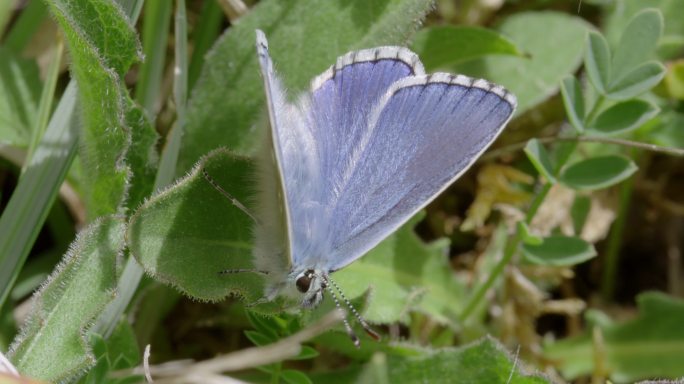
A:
(310, 284)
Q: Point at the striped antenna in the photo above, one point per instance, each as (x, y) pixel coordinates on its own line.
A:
(359, 318)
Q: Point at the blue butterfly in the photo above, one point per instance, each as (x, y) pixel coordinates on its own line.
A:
(373, 142)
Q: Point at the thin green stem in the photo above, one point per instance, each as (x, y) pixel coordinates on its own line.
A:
(612, 252)
(275, 376)
(537, 202)
(595, 110)
(679, 152)
(509, 252)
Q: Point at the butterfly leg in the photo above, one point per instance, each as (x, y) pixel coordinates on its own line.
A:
(230, 197)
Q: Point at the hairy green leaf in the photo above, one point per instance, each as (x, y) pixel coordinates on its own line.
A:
(484, 361)
(187, 234)
(52, 344)
(101, 53)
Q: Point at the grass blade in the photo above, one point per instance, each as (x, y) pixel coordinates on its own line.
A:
(46, 99)
(31, 201)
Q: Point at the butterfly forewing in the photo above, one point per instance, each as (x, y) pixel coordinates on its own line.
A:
(424, 134)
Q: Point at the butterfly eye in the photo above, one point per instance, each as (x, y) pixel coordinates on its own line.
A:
(304, 282)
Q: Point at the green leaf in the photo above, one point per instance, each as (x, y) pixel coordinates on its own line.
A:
(573, 100)
(484, 361)
(535, 77)
(539, 158)
(442, 46)
(98, 372)
(648, 346)
(597, 172)
(404, 274)
(617, 18)
(306, 353)
(187, 234)
(559, 251)
(638, 41)
(597, 61)
(259, 339)
(141, 156)
(52, 345)
(295, 377)
(636, 82)
(100, 54)
(624, 117)
(20, 88)
(267, 325)
(305, 38)
(579, 212)
(122, 345)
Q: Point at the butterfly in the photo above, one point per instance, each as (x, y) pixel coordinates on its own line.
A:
(372, 142)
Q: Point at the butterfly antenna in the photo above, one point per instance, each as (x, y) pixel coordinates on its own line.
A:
(360, 319)
(242, 270)
(350, 331)
(230, 197)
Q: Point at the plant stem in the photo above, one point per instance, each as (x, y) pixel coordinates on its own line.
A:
(275, 376)
(595, 110)
(587, 139)
(509, 252)
(615, 241)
